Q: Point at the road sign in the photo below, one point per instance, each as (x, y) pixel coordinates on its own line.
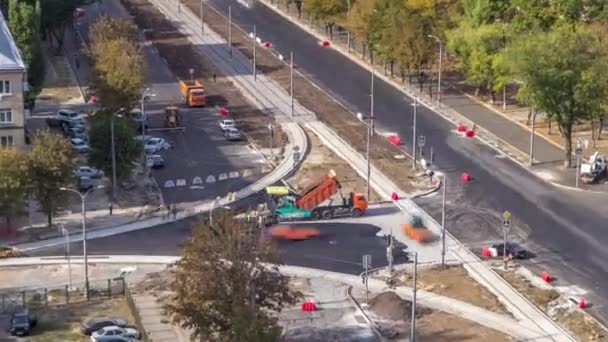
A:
(506, 215)
(367, 261)
(506, 223)
(579, 151)
(296, 148)
(421, 140)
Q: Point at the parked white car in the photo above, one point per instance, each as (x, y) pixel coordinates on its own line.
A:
(69, 116)
(110, 331)
(232, 134)
(154, 145)
(79, 145)
(226, 124)
(87, 171)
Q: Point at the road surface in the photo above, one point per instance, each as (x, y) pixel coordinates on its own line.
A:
(565, 229)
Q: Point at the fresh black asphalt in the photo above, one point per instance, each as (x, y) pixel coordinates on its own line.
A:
(339, 248)
(567, 232)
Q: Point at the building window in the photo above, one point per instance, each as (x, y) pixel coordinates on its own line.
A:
(5, 87)
(6, 116)
(6, 141)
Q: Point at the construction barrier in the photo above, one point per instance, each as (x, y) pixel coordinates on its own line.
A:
(267, 45)
(582, 304)
(465, 177)
(394, 139)
(325, 43)
(394, 196)
(309, 306)
(470, 134)
(546, 276)
(461, 128)
(223, 111)
(416, 234)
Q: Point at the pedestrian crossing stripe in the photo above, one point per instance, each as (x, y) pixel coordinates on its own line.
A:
(233, 174)
(247, 173)
(210, 179)
(180, 182)
(169, 184)
(222, 176)
(197, 180)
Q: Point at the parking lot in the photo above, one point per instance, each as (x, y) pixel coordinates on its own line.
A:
(201, 163)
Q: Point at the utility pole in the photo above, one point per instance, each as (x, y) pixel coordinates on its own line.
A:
(440, 67)
(66, 234)
(445, 186)
(370, 129)
(389, 253)
(348, 31)
(532, 137)
(270, 140)
(291, 82)
(414, 133)
(255, 37)
(202, 20)
(114, 158)
(414, 290)
(579, 151)
(230, 31)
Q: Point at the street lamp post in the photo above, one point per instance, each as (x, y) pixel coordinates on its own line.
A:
(117, 113)
(66, 234)
(202, 20)
(414, 290)
(440, 67)
(255, 37)
(531, 162)
(144, 117)
(415, 104)
(291, 81)
(445, 186)
(83, 198)
(348, 30)
(230, 31)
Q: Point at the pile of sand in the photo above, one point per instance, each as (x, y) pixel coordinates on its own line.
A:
(389, 305)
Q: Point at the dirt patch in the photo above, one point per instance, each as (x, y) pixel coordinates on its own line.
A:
(581, 325)
(62, 323)
(453, 282)
(392, 315)
(319, 161)
(389, 305)
(181, 56)
(541, 297)
(327, 110)
(154, 282)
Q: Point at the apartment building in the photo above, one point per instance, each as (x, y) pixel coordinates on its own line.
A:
(13, 83)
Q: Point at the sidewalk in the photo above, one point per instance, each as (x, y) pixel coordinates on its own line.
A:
(492, 320)
(498, 130)
(271, 95)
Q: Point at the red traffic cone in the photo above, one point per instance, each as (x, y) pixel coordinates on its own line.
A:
(325, 43)
(582, 304)
(470, 134)
(394, 196)
(545, 276)
(223, 111)
(267, 45)
(461, 128)
(465, 177)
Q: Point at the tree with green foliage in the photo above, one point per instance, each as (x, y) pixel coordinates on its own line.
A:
(126, 147)
(52, 164)
(14, 183)
(360, 19)
(24, 23)
(563, 74)
(119, 74)
(107, 29)
(328, 11)
(57, 16)
(479, 51)
(222, 291)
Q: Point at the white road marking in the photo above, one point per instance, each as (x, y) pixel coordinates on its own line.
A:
(233, 174)
(180, 182)
(169, 184)
(197, 187)
(210, 179)
(246, 173)
(197, 180)
(222, 177)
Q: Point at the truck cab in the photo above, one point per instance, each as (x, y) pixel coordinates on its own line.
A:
(193, 93)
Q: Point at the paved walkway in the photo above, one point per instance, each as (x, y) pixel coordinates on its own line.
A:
(521, 330)
(271, 95)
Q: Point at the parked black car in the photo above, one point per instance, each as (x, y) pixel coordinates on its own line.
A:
(90, 326)
(22, 322)
(514, 251)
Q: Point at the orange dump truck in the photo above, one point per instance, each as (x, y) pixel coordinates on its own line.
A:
(307, 205)
(193, 93)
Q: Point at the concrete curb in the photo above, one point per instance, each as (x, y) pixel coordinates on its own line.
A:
(358, 307)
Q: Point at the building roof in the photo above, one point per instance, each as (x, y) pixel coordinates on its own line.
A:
(10, 57)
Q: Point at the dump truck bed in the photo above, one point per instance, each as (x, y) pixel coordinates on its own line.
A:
(325, 190)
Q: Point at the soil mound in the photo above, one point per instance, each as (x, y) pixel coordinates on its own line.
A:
(389, 305)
